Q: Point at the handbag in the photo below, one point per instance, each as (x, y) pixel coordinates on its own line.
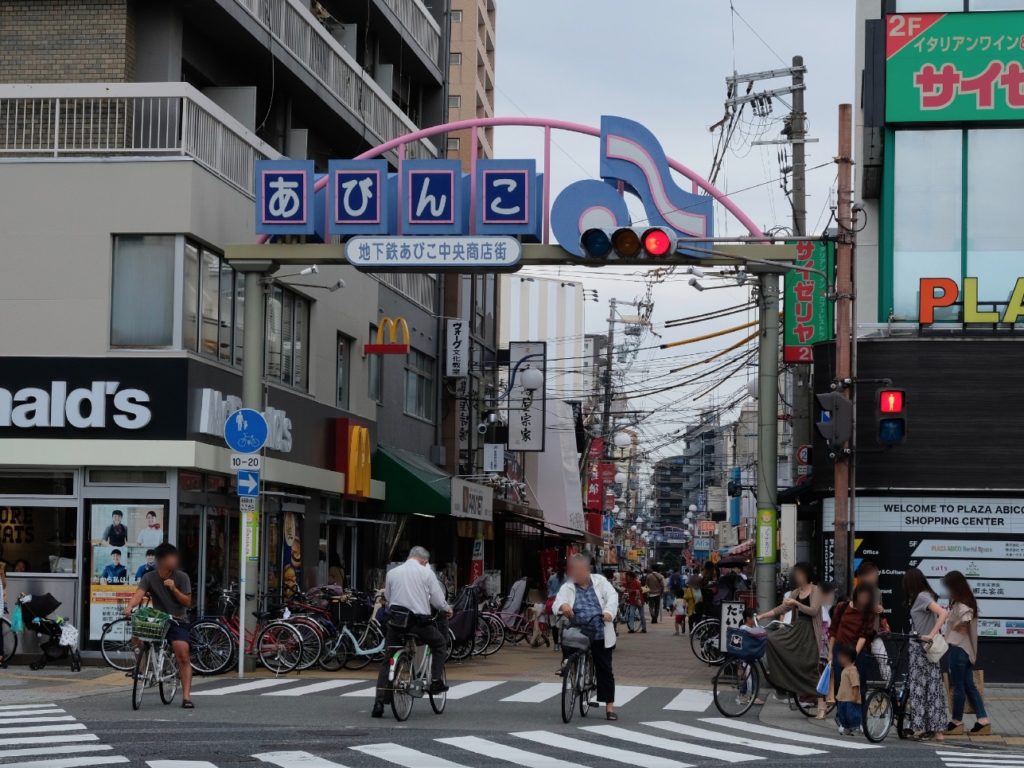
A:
(936, 649)
(17, 621)
(825, 681)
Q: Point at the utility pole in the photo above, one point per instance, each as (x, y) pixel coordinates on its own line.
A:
(844, 519)
(767, 439)
(801, 422)
(608, 357)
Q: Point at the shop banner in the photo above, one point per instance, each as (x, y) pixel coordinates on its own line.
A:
(123, 537)
(472, 500)
(595, 495)
(291, 552)
(457, 361)
(981, 538)
(606, 472)
(476, 566)
(527, 408)
(807, 312)
(767, 524)
(954, 67)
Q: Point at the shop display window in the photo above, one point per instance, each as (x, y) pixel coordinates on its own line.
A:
(38, 539)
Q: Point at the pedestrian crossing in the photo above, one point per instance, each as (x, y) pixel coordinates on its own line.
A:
(46, 736)
(489, 691)
(975, 758)
(655, 744)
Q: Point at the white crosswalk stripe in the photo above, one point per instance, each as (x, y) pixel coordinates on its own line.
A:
(626, 693)
(729, 738)
(254, 685)
(43, 729)
(5, 716)
(24, 720)
(406, 756)
(296, 760)
(670, 745)
(547, 738)
(780, 733)
(508, 754)
(61, 739)
(536, 693)
(65, 744)
(464, 690)
(977, 759)
(180, 764)
(691, 700)
(362, 692)
(50, 749)
(12, 707)
(323, 685)
(69, 762)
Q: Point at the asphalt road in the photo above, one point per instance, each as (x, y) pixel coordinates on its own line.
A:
(325, 723)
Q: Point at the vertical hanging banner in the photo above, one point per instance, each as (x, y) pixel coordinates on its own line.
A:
(457, 349)
(526, 408)
(767, 526)
(807, 313)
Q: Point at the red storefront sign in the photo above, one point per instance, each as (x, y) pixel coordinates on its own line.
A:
(606, 472)
(595, 494)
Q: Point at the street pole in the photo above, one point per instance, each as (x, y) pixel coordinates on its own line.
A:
(801, 422)
(844, 519)
(767, 439)
(609, 349)
(253, 339)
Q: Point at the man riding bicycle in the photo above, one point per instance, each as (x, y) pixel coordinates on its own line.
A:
(171, 592)
(413, 588)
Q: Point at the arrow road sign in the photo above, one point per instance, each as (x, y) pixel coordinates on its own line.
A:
(248, 483)
(245, 431)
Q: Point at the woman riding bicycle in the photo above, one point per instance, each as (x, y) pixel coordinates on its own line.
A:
(584, 597)
(793, 651)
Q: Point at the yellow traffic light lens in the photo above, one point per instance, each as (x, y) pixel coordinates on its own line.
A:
(626, 243)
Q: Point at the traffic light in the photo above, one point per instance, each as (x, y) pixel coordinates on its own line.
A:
(836, 424)
(892, 416)
(627, 243)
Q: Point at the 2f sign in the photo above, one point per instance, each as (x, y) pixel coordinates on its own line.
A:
(905, 26)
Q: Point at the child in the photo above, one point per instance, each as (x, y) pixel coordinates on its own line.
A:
(680, 609)
(848, 698)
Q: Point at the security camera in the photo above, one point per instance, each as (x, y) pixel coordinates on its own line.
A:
(481, 428)
(692, 282)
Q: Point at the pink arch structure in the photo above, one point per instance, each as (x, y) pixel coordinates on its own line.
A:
(473, 125)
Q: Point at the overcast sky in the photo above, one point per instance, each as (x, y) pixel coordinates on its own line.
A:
(664, 64)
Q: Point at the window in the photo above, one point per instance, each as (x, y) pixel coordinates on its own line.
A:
(287, 345)
(454, 101)
(343, 371)
(21, 483)
(212, 309)
(420, 287)
(419, 385)
(456, 17)
(142, 294)
(455, 59)
(997, 5)
(454, 144)
(373, 367)
(39, 539)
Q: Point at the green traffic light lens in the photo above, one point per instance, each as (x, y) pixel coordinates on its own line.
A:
(595, 243)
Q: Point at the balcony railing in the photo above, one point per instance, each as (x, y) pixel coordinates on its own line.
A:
(418, 22)
(128, 119)
(299, 32)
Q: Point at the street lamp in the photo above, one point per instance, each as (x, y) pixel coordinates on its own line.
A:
(531, 379)
(622, 439)
(620, 478)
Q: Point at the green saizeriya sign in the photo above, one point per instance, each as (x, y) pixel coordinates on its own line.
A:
(954, 67)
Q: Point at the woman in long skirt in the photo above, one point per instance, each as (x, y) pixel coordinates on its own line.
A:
(928, 716)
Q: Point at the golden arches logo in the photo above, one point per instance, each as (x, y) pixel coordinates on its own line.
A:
(357, 475)
(398, 339)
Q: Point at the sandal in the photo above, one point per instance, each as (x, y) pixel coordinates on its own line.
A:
(611, 716)
(187, 704)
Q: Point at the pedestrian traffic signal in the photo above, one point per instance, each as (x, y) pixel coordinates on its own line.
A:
(836, 424)
(627, 243)
(892, 416)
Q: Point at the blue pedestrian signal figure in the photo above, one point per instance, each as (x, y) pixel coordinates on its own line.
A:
(245, 431)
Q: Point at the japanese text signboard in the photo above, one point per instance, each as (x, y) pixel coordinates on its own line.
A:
(457, 362)
(954, 67)
(526, 407)
(807, 310)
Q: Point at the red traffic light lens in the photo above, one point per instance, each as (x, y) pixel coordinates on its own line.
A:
(657, 242)
(890, 401)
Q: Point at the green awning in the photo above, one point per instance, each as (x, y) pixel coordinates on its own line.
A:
(413, 483)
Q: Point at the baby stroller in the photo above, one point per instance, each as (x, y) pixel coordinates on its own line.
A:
(58, 639)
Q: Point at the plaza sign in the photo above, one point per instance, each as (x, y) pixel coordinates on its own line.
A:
(941, 292)
(954, 67)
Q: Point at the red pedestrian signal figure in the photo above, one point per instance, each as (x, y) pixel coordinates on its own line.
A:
(892, 417)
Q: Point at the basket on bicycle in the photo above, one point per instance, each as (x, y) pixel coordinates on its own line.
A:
(573, 639)
(150, 624)
(747, 644)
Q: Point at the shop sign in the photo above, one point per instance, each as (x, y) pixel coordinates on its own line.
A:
(954, 67)
(703, 544)
(595, 494)
(472, 500)
(706, 527)
(494, 457)
(981, 537)
(396, 333)
(433, 253)
(463, 414)
(606, 472)
(807, 312)
(215, 408)
(766, 536)
(476, 565)
(941, 292)
(353, 456)
(527, 409)
(457, 347)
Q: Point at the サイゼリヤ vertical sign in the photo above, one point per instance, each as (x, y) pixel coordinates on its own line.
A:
(807, 312)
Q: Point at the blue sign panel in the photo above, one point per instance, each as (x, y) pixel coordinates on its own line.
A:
(508, 199)
(434, 199)
(284, 197)
(359, 198)
(245, 431)
(248, 482)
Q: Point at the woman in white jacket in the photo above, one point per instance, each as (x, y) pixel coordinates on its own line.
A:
(584, 598)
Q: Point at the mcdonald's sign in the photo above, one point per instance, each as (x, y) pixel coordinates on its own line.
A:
(394, 329)
(353, 456)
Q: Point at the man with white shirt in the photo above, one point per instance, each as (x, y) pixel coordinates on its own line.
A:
(413, 592)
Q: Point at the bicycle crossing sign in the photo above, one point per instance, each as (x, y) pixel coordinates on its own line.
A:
(246, 431)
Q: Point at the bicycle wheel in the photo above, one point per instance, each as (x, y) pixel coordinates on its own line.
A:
(278, 647)
(736, 685)
(169, 678)
(336, 654)
(569, 687)
(586, 683)
(116, 645)
(141, 677)
(704, 642)
(808, 706)
(481, 638)
(516, 628)
(211, 647)
(367, 637)
(401, 685)
(878, 715)
(9, 643)
(632, 618)
(437, 701)
(312, 645)
(497, 634)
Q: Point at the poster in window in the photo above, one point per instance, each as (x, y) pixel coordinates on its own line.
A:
(123, 537)
(291, 553)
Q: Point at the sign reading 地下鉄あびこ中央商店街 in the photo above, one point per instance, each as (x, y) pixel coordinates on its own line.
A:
(983, 538)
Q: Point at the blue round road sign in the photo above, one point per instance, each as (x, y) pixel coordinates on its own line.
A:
(245, 431)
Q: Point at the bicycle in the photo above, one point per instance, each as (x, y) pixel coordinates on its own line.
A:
(116, 644)
(738, 681)
(704, 641)
(410, 680)
(155, 664)
(888, 703)
(579, 678)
